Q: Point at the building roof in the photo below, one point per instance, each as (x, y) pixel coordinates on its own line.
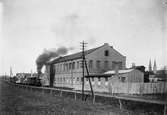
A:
(117, 52)
(119, 71)
(109, 73)
(73, 56)
(78, 55)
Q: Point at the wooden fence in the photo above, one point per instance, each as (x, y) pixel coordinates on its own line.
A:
(138, 88)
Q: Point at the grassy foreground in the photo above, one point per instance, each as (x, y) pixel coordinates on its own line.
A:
(15, 101)
(18, 101)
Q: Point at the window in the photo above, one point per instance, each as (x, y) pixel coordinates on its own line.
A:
(60, 67)
(70, 66)
(73, 65)
(80, 64)
(90, 64)
(98, 78)
(77, 64)
(106, 53)
(97, 64)
(77, 78)
(106, 64)
(92, 78)
(106, 79)
(64, 67)
(123, 79)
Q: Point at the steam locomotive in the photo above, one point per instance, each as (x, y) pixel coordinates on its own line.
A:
(34, 81)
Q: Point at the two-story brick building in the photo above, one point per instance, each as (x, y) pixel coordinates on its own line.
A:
(67, 70)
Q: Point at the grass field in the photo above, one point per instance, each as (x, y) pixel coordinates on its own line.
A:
(14, 101)
(18, 101)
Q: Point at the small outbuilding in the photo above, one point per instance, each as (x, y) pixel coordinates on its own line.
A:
(129, 75)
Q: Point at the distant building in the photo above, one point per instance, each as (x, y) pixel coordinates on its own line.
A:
(155, 67)
(141, 68)
(161, 75)
(152, 72)
(11, 73)
(23, 76)
(67, 70)
(150, 66)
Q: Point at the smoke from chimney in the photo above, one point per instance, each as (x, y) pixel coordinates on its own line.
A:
(47, 55)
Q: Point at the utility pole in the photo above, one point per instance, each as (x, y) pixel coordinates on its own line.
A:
(89, 79)
(84, 65)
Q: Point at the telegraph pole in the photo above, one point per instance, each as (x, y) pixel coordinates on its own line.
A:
(89, 79)
(84, 65)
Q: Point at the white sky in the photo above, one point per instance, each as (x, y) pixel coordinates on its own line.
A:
(136, 28)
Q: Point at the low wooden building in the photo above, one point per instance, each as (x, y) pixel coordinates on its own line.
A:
(129, 75)
(103, 82)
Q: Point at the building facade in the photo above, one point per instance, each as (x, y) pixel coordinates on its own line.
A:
(68, 69)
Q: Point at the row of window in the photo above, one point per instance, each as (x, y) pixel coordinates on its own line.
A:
(68, 66)
(78, 65)
(79, 79)
(99, 79)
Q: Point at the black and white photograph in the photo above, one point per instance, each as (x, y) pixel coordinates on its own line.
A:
(83, 57)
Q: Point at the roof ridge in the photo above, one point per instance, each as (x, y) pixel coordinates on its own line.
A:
(117, 51)
(76, 55)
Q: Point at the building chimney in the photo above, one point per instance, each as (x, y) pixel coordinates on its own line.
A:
(106, 44)
(133, 65)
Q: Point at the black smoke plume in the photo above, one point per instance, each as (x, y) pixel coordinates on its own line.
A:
(47, 55)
